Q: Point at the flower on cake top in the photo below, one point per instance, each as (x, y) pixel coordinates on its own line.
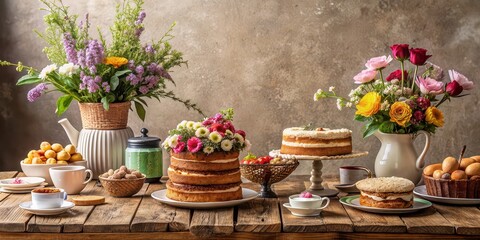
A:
(214, 134)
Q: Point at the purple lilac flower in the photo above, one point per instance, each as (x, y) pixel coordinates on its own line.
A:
(131, 65)
(94, 54)
(69, 46)
(149, 49)
(139, 70)
(140, 18)
(36, 92)
(151, 81)
(139, 31)
(143, 89)
(90, 83)
(106, 87)
(134, 80)
(152, 68)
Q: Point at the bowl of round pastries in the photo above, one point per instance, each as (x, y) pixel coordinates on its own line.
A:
(122, 182)
(454, 179)
(266, 171)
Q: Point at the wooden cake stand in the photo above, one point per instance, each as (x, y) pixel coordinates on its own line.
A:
(317, 165)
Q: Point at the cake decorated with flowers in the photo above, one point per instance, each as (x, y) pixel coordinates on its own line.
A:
(204, 164)
(316, 142)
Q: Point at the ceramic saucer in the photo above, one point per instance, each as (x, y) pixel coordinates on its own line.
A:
(25, 188)
(51, 211)
(348, 188)
(303, 212)
(354, 202)
(25, 182)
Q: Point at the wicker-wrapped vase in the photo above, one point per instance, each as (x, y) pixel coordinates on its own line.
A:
(267, 174)
(94, 116)
(122, 187)
(452, 188)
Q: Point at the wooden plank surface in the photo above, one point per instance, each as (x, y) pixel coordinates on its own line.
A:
(427, 221)
(115, 215)
(13, 218)
(70, 222)
(259, 215)
(153, 216)
(465, 219)
(212, 222)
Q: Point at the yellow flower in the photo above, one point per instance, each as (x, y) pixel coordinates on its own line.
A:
(116, 62)
(434, 116)
(400, 113)
(369, 104)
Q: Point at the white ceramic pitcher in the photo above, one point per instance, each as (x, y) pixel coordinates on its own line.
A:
(397, 156)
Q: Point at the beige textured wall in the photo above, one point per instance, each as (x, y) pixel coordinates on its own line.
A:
(265, 59)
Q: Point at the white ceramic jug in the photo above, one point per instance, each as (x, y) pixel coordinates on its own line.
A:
(397, 156)
(103, 149)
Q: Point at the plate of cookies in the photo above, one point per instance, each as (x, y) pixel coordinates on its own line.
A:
(390, 195)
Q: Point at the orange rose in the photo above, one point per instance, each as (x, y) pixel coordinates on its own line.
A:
(400, 113)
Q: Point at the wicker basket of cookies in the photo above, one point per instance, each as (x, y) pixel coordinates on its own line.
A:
(266, 171)
(122, 182)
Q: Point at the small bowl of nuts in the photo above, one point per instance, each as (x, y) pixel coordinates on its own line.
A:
(122, 182)
(266, 171)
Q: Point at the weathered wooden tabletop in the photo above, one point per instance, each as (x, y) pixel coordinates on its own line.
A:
(143, 217)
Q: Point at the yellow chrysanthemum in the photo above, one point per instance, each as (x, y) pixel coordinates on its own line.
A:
(369, 104)
(400, 113)
(434, 116)
(116, 62)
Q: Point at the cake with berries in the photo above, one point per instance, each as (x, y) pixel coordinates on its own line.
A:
(316, 142)
(204, 165)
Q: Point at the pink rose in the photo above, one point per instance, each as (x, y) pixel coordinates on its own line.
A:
(207, 122)
(378, 62)
(365, 76)
(429, 85)
(462, 80)
(194, 144)
(179, 148)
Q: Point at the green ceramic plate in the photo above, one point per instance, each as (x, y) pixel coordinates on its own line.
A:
(354, 201)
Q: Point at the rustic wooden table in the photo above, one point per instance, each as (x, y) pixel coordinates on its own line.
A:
(143, 217)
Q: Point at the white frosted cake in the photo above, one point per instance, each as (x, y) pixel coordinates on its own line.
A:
(317, 142)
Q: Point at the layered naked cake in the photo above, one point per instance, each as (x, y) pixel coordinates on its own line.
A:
(386, 192)
(204, 178)
(204, 165)
(317, 142)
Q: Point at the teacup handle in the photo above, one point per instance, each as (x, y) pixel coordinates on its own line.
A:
(369, 173)
(326, 204)
(91, 176)
(65, 195)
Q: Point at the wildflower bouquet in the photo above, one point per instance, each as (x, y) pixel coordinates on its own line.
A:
(89, 70)
(407, 100)
(214, 134)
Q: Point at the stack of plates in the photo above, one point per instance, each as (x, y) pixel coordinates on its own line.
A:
(21, 184)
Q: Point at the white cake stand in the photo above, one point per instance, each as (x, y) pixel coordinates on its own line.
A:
(317, 165)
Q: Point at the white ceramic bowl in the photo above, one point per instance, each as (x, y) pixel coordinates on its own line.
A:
(315, 202)
(41, 170)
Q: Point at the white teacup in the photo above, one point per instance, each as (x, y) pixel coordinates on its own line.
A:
(70, 178)
(315, 202)
(48, 198)
(353, 174)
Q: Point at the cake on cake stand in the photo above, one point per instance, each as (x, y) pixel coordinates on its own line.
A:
(317, 165)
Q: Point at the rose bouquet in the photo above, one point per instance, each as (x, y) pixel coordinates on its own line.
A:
(407, 100)
(90, 71)
(214, 134)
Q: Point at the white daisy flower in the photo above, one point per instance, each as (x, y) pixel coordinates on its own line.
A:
(208, 150)
(215, 137)
(228, 133)
(68, 69)
(46, 70)
(239, 138)
(173, 141)
(202, 132)
(197, 125)
(165, 143)
(226, 145)
(190, 124)
(182, 125)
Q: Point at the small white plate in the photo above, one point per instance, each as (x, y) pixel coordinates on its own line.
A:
(161, 195)
(51, 211)
(421, 191)
(303, 212)
(2, 189)
(354, 201)
(26, 182)
(348, 188)
(25, 188)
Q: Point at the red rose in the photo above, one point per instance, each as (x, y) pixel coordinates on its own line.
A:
(418, 56)
(397, 74)
(228, 125)
(454, 88)
(241, 132)
(400, 51)
(217, 127)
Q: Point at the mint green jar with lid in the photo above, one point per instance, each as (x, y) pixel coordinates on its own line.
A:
(144, 154)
